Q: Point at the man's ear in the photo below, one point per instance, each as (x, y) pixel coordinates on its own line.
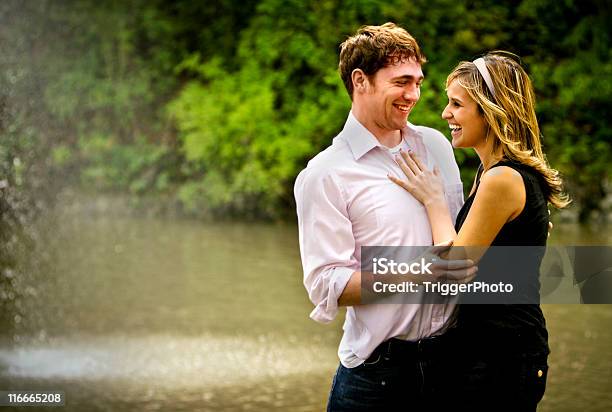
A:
(360, 81)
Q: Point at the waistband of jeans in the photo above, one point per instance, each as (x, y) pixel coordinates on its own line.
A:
(515, 342)
(430, 347)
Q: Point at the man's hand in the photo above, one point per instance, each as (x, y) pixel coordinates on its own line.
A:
(457, 271)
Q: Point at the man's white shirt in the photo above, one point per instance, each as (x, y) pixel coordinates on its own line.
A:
(345, 201)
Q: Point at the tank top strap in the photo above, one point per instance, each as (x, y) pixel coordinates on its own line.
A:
(480, 170)
(519, 167)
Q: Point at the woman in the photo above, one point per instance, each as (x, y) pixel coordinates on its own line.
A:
(502, 349)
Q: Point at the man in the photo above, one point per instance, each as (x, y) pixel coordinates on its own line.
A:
(345, 201)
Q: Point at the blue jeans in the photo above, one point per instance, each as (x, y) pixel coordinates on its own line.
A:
(437, 374)
(500, 382)
(398, 376)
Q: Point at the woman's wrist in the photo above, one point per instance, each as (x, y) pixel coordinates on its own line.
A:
(435, 202)
(437, 210)
(442, 227)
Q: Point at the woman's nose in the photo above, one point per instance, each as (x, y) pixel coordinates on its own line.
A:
(446, 114)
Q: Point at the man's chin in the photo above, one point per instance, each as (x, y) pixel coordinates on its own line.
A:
(397, 122)
(402, 123)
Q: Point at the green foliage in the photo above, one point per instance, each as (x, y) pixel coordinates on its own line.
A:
(576, 86)
(234, 131)
(220, 104)
(109, 165)
(249, 131)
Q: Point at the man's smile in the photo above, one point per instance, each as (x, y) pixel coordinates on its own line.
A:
(404, 108)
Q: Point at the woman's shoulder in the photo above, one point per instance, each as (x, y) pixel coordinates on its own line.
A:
(533, 180)
(521, 168)
(502, 179)
(503, 188)
(524, 188)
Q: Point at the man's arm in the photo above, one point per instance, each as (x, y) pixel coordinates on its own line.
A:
(332, 274)
(327, 243)
(351, 295)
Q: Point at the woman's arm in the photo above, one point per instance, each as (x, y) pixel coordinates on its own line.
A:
(500, 198)
(427, 187)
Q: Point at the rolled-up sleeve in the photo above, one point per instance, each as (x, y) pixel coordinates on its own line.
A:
(327, 244)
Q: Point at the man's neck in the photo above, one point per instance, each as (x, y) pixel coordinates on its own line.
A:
(386, 137)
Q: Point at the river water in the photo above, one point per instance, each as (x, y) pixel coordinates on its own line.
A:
(134, 313)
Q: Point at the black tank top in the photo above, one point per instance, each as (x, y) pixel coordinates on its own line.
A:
(516, 328)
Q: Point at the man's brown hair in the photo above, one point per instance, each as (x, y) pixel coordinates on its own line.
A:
(375, 47)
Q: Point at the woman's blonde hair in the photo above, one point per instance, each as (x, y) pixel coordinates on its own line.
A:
(509, 111)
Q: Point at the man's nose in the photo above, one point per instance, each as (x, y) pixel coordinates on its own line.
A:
(411, 93)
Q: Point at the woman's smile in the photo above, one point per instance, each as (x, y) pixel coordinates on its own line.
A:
(455, 130)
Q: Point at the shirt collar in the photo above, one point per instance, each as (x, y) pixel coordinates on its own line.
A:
(360, 140)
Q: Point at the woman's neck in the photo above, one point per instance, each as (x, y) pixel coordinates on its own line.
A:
(488, 156)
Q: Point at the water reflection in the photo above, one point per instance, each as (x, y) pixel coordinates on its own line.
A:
(165, 361)
(150, 314)
(581, 354)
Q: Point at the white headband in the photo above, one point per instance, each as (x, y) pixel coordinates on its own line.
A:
(484, 72)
